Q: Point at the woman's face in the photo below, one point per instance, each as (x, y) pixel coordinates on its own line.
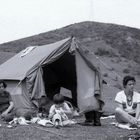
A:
(130, 86)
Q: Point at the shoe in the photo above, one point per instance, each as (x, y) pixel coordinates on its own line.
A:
(97, 124)
(97, 116)
(87, 123)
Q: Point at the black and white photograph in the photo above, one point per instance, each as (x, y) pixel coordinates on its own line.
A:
(69, 70)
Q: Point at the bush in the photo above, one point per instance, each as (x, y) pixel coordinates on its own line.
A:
(136, 70)
(118, 86)
(101, 52)
(105, 52)
(111, 69)
(105, 74)
(126, 70)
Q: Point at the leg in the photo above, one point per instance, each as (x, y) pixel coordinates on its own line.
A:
(97, 116)
(89, 116)
(9, 117)
(57, 121)
(123, 117)
(88, 119)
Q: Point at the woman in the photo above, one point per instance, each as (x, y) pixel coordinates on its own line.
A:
(6, 103)
(128, 103)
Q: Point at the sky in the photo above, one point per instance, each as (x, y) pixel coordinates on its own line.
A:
(23, 18)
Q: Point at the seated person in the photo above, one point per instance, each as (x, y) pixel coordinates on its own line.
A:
(6, 104)
(44, 106)
(59, 110)
(128, 103)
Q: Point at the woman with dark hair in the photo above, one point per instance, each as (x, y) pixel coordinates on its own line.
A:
(128, 103)
(6, 103)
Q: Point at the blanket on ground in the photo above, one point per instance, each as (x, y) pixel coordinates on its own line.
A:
(38, 120)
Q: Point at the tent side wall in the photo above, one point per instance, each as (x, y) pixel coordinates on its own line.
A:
(18, 92)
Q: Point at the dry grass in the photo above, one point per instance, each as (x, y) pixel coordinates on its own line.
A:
(77, 132)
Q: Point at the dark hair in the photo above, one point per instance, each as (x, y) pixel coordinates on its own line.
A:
(58, 99)
(4, 84)
(126, 79)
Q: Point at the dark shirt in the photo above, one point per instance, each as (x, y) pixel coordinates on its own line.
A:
(5, 99)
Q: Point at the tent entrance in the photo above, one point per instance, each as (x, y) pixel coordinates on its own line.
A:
(61, 73)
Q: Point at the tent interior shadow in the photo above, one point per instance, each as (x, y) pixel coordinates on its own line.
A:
(61, 73)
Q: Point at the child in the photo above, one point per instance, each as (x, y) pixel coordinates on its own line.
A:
(59, 110)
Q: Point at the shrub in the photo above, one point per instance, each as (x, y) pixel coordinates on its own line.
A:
(105, 52)
(118, 86)
(101, 52)
(136, 70)
(111, 69)
(105, 74)
(126, 70)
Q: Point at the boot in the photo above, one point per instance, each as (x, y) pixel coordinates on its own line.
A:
(88, 119)
(97, 116)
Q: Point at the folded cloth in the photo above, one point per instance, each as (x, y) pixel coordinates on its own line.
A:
(35, 119)
(20, 120)
(45, 122)
(69, 122)
(108, 117)
(123, 126)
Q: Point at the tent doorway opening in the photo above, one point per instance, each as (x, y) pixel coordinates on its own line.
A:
(61, 73)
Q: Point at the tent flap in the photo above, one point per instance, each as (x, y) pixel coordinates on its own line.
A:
(88, 85)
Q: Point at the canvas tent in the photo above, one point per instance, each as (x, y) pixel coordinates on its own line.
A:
(42, 70)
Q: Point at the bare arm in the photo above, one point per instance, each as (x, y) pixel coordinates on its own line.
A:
(51, 115)
(138, 111)
(11, 106)
(51, 112)
(119, 105)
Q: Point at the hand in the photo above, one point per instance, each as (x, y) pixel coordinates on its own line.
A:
(58, 112)
(4, 113)
(62, 112)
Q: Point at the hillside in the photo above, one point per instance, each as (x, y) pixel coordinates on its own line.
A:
(115, 49)
(125, 39)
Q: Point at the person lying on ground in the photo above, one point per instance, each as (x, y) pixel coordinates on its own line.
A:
(6, 103)
(59, 110)
(128, 103)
